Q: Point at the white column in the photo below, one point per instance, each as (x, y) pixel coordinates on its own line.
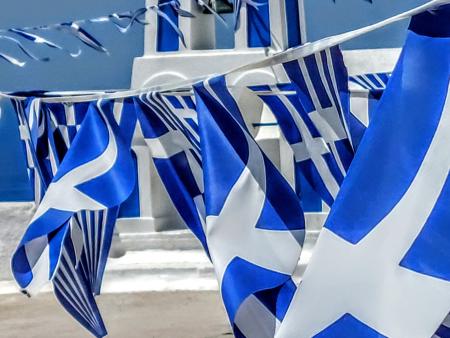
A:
(203, 29)
(144, 164)
(302, 15)
(151, 30)
(240, 37)
(185, 24)
(199, 32)
(278, 26)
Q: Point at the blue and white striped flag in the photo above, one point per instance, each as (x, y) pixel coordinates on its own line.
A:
(170, 129)
(252, 216)
(311, 112)
(72, 287)
(381, 267)
(372, 82)
(89, 173)
(36, 133)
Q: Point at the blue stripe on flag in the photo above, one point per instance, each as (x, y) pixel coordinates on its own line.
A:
(73, 292)
(443, 332)
(167, 37)
(293, 23)
(258, 24)
(392, 183)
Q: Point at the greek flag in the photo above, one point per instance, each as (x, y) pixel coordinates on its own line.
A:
(311, 112)
(34, 138)
(87, 172)
(170, 129)
(252, 216)
(381, 267)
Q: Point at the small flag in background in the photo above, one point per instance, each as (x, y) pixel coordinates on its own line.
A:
(311, 112)
(380, 267)
(252, 216)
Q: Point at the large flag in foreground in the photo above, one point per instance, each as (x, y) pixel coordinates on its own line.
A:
(366, 92)
(381, 267)
(252, 215)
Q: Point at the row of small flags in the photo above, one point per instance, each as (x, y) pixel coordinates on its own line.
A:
(168, 10)
(123, 21)
(379, 268)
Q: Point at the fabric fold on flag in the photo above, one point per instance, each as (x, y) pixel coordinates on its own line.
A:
(312, 112)
(87, 172)
(387, 228)
(252, 216)
(170, 129)
(366, 91)
(72, 289)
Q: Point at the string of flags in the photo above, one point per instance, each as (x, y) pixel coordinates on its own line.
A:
(378, 268)
(122, 21)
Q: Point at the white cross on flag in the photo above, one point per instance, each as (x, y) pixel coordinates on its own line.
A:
(381, 267)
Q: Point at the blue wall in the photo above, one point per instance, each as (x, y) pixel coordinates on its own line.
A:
(93, 70)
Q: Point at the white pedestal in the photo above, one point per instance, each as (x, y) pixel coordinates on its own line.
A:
(167, 68)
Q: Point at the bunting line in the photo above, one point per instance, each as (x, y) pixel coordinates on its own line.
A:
(123, 21)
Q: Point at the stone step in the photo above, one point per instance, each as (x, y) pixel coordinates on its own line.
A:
(167, 240)
(151, 270)
(159, 270)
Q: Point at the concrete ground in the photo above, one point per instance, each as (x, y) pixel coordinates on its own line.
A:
(181, 314)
